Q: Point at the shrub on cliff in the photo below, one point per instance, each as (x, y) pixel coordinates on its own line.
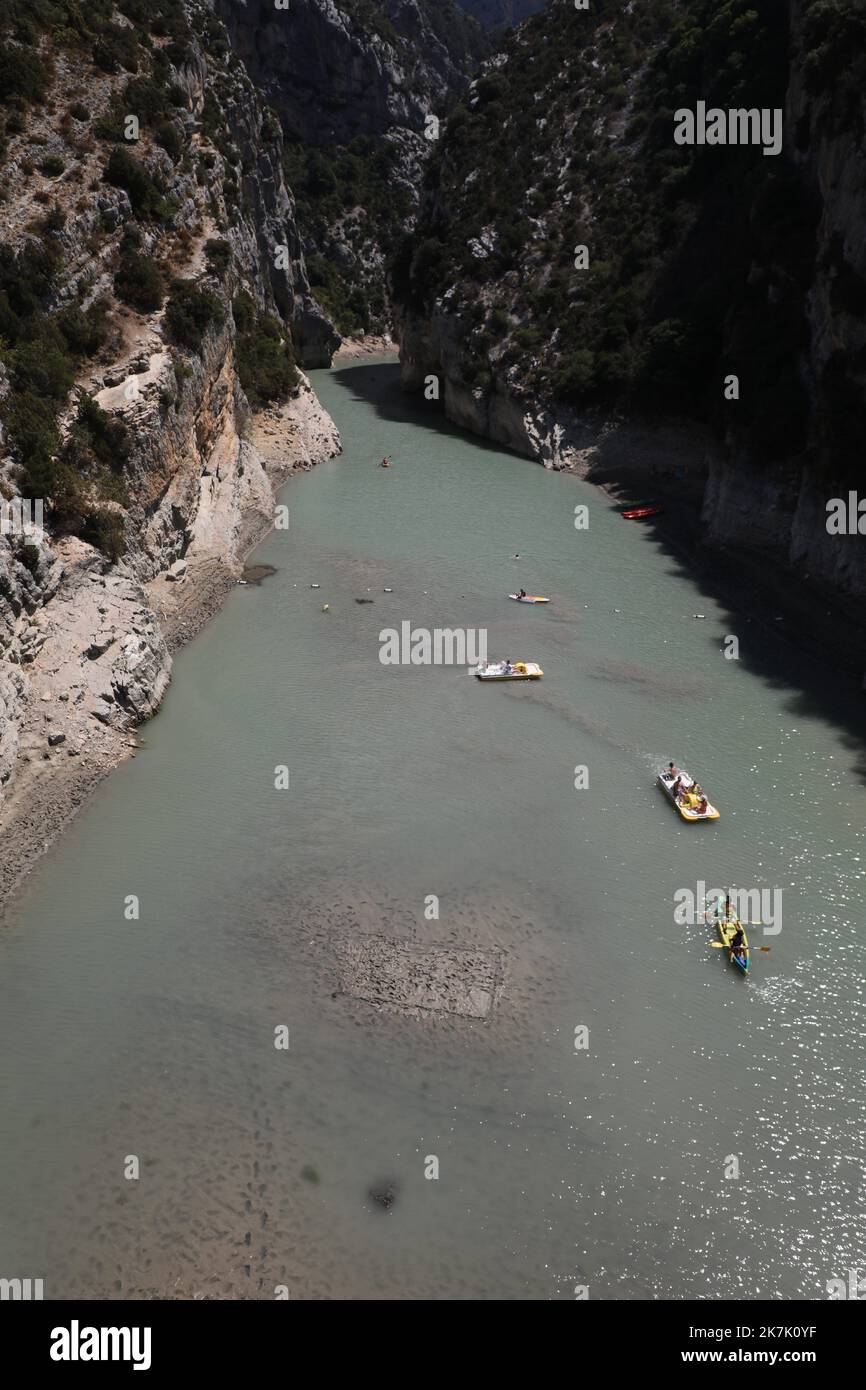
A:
(266, 364)
(138, 282)
(168, 136)
(146, 193)
(190, 312)
(219, 256)
(85, 330)
(116, 48)
(30, 422)
(26, 280)
(100, 527)
(42, 364)
(97, 437)
(24, 77)
(834, 41)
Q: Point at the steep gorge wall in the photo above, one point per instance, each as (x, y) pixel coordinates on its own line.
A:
(785, 506)
(333, 75)
(84, 655)
(758, 494)
(354, 83)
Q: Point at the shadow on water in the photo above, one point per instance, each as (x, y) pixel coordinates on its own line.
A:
(815, 666)
(379, 386)
(813, 658)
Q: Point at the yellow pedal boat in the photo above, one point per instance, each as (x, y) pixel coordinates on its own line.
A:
(687, 802)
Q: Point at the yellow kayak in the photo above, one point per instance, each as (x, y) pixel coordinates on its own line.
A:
(726, 931)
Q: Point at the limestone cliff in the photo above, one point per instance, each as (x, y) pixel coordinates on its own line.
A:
(157, 481)
(698, 263)
(355, 84)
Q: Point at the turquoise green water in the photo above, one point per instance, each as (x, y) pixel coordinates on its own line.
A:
(602, 1167)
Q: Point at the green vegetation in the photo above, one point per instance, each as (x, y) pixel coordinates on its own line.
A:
(835, 54)
(138, 282)
(146, 192)
(52, 166)
(349, 192)
(24, 77)
(190, 312)
(41, 354)
(266, 364)
(117, 48)
(700, 257)
(85, 330)
(96, 437)
(459, 35)
(218, 254)
(168, 136)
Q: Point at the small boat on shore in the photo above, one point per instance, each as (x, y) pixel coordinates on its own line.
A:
(639, 502)
(688, 801)
(509, 671)
(641, 513)
(528, 598)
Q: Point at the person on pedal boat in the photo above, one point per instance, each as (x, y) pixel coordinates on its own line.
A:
(673, 771)
(702, 806)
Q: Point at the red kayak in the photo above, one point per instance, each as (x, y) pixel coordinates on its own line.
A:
(638, 513)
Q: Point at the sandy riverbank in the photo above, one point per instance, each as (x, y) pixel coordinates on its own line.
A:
(371, 346)
(53, 780)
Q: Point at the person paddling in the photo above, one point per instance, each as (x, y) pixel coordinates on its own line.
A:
(738, 942)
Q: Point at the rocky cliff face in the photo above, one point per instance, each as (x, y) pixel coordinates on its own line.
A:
(335, 71)
(355, 85)
(499, 14)
(700, 263)
(85, 634)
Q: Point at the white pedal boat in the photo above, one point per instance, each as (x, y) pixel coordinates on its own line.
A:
(516, 671)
